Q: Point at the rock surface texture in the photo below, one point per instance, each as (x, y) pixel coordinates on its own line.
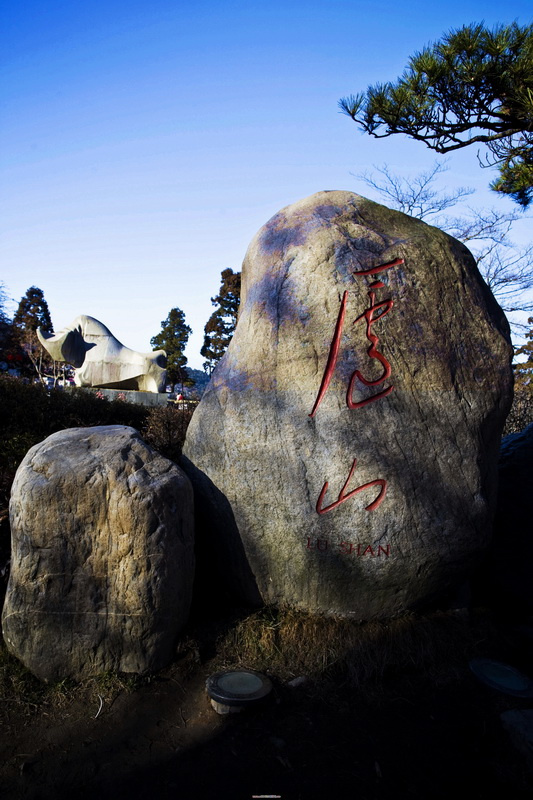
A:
(344, 454)
(102, 555)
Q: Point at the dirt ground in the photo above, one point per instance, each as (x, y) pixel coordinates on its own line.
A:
(407, 735)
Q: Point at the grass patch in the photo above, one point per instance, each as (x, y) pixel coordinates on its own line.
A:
(335, 655)
(18, 687)
(289, 643)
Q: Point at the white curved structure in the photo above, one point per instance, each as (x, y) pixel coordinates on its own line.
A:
(102, 361)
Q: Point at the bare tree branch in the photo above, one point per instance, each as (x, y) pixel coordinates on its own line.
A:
(506, 268)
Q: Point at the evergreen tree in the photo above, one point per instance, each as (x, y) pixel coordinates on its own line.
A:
(7, 356)
(3, 300)
(33, 313)
(475, 86)
(173, 339)
(221, 324)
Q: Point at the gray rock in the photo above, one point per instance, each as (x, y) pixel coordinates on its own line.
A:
(344, 454)
(102, 555)
(297, 682)
(507, 575)
(519, 726)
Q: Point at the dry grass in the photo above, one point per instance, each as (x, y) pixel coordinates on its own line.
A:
(283, 643)
(18, 687)
(288, 643)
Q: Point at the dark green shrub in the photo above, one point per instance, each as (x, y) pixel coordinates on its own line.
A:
(28, 414)
(165, 429)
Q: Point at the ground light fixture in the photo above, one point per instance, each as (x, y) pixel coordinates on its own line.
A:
(502, 677)
(234, 691)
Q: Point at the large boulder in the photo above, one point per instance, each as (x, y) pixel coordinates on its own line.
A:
(344, 454)
(102, 555)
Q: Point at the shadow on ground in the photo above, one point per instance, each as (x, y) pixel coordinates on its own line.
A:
(411, 733)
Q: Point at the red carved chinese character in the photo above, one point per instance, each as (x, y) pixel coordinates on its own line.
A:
(343, 497)
(381, 267)
(333, 355)
(372, 351)
(385, 306)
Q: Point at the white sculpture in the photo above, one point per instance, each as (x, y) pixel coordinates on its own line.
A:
(102, 361)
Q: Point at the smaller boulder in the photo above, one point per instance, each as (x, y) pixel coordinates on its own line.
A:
(102, 555)
(506, 578)
(518, 724)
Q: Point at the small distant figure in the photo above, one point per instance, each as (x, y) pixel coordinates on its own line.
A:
(179, 398)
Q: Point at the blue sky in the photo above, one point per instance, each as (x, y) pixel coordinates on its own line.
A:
(143, 144)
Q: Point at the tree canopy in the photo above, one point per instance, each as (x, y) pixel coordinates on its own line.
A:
(6, 339)
(221, 324)
(3, 300)
(33, 313)
(173, 338)
(474, 86)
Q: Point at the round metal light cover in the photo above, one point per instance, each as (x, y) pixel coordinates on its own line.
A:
(238, 688)
(502, 677)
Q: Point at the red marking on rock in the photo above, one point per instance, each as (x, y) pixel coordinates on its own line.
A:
(333, 355)
(343, 497)
(375, 312)
(381, 267)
